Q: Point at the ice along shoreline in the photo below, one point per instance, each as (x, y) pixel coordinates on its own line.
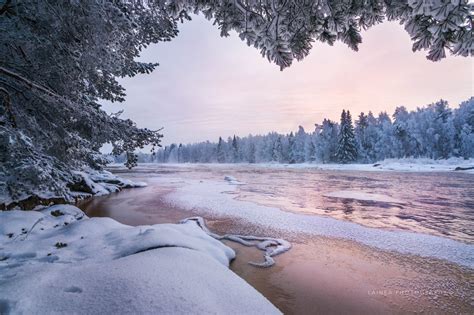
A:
(218, 198)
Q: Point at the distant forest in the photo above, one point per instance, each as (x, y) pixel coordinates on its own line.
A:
(435, 131)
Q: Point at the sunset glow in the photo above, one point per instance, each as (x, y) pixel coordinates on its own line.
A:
(219, 87)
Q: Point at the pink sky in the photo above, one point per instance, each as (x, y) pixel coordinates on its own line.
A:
(207, 86)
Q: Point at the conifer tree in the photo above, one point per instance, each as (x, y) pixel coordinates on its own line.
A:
(291, 148)
(277, 154)
(251, 153)
(235, 150)
(347, 148)
(361, 136)
(220, 151)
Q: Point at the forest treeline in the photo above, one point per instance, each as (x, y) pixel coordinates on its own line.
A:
(435, 131)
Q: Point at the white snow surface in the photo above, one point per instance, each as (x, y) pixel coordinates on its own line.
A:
(396, 165)
(104, 182)
(271, 246)
(364, 196)
(218, 198)
(108, 267)
(387, 165)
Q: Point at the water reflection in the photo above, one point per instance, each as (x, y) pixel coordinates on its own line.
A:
(435, 203)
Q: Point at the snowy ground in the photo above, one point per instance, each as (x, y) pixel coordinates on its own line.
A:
(398, 165)
(60, 261)
(218, 198)
(404, 165)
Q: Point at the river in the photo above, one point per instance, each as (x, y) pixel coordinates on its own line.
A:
(332, 268)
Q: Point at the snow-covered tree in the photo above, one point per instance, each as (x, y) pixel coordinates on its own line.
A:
(346, 147)
(297, 150)
(58, 59)
(235, 150)
(363, 144)
(277, 150)
(251, 153)
(326, 141)
(463, 122)
(401, 129)
(221, 152)
(411, 134)
(291, 145)
(384, 146)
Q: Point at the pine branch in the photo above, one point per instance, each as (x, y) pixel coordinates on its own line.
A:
(30, 83)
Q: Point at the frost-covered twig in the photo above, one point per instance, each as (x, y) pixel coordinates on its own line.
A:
(271, 246)
(31, 229)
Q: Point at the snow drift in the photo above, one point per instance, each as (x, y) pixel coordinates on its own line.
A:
(60, 261)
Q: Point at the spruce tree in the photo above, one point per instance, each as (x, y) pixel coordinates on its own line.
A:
(220, 151)
(361, 137)
(235, 150)
(347, 148)
(277, 152)
(291, 149)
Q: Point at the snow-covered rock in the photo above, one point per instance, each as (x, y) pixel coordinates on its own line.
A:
(60, 261)
(232, 180)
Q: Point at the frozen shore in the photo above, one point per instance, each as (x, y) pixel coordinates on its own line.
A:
(320, 274)
(394, 165)
(60, 261)
(218, 198)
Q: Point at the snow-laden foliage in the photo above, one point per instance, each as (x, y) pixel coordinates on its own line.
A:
(435, 131)
(60, 58)
(285, 30)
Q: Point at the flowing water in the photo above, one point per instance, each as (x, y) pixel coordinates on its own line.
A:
(322, 274)
(434, 203)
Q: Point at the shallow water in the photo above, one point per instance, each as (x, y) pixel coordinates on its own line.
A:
(322, 274)
(441, 204)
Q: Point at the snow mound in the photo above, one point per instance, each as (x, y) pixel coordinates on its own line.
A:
(363, 196)
(271, 246)
(60, 261)
(103, 183)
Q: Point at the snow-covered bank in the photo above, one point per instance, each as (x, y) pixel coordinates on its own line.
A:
(406, 165)
(86, 183)
(396, 165)
(59, 261)
(218, 198)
